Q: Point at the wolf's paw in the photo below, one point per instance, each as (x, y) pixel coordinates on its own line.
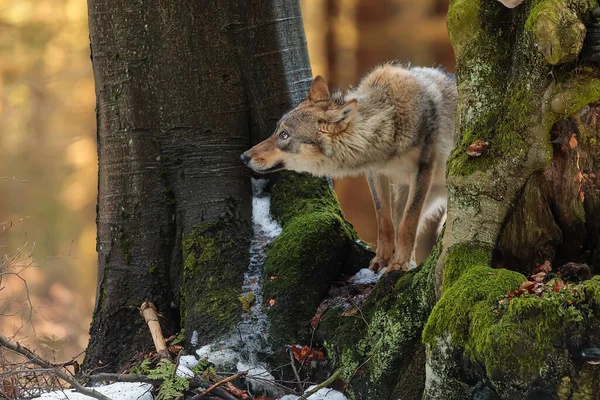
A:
(398, 266)
(378, 263)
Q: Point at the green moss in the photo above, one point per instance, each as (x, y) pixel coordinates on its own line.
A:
(301, 194)
(215, 256)
(462, 257)
(310, 252)
(305, 258)
(575, 93)
(152, 268)
(462, 20)
(516, 340)
(384, 339)
(592, 289)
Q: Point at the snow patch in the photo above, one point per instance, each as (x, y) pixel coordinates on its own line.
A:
(259, 379)
(261, 210)
(194, 339)
(321, 394)
(222, 358)
(188, 361)
(184, 372)
(240, 351)
(365, 276)
(115, 391)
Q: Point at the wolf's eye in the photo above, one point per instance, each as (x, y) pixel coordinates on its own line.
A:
(284, 135)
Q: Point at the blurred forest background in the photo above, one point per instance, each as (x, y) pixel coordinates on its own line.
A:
(48, 160)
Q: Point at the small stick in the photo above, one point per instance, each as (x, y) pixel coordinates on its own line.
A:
(295, 370)
(124, 378)
(320, 386)
(17, 348)
(148, 311)
(216, 385)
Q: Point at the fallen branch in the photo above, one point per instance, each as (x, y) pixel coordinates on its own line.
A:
(221, 382)
(195, 382)
(295, 370)
(102, 377)
(17, 348)
(148, 311)
(320, 386)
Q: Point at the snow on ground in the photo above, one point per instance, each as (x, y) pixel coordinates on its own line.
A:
(321, 394)
(115, 391)
(365, 276)
(261, 210)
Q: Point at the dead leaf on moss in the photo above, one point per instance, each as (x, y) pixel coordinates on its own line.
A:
(573, 141)
(545, 267)
(477, 148)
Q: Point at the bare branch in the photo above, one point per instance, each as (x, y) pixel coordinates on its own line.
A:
(17, 348)
(216, 385)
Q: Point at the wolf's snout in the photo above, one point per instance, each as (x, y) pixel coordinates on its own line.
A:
(245, 159)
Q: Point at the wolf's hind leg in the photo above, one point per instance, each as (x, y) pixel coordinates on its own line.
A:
(380, 191)
(407, 230)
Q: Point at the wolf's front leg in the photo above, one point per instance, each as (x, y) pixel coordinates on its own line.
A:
(380, 191)
(407, 229)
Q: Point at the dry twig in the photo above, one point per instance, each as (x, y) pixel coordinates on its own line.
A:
(293, 361)
(320, 386)
(148, 311)
(221, 382)
(17, 348)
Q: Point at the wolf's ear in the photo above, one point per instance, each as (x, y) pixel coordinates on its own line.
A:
(345, 113)
(319, 90)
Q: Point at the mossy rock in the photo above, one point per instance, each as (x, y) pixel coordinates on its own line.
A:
(379, 350)
(315, 246)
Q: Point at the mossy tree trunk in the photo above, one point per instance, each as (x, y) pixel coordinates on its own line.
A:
(531, 196)
(182, 90)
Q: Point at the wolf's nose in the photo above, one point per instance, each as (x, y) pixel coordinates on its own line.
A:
(245, 159)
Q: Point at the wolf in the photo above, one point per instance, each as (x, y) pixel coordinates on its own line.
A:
(396, 127)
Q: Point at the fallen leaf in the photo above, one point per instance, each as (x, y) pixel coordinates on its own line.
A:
(175, 349)
(477, 148)
(349, 312)
(306, 354)
(314, 322)
(573, 141)
(527, 285)
(239, 393)
(539, 277)
(557, 285)
(545, 267)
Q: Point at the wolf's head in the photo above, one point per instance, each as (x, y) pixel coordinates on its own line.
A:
(303, 138)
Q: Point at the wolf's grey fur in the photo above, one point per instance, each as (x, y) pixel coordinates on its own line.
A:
(396, 127)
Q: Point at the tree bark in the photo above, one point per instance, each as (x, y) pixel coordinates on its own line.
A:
(181, 92)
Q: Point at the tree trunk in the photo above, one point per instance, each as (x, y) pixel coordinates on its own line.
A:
(181, 92)
(531, 197)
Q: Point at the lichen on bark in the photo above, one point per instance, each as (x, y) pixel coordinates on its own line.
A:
(379, 351)
(511, 97)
